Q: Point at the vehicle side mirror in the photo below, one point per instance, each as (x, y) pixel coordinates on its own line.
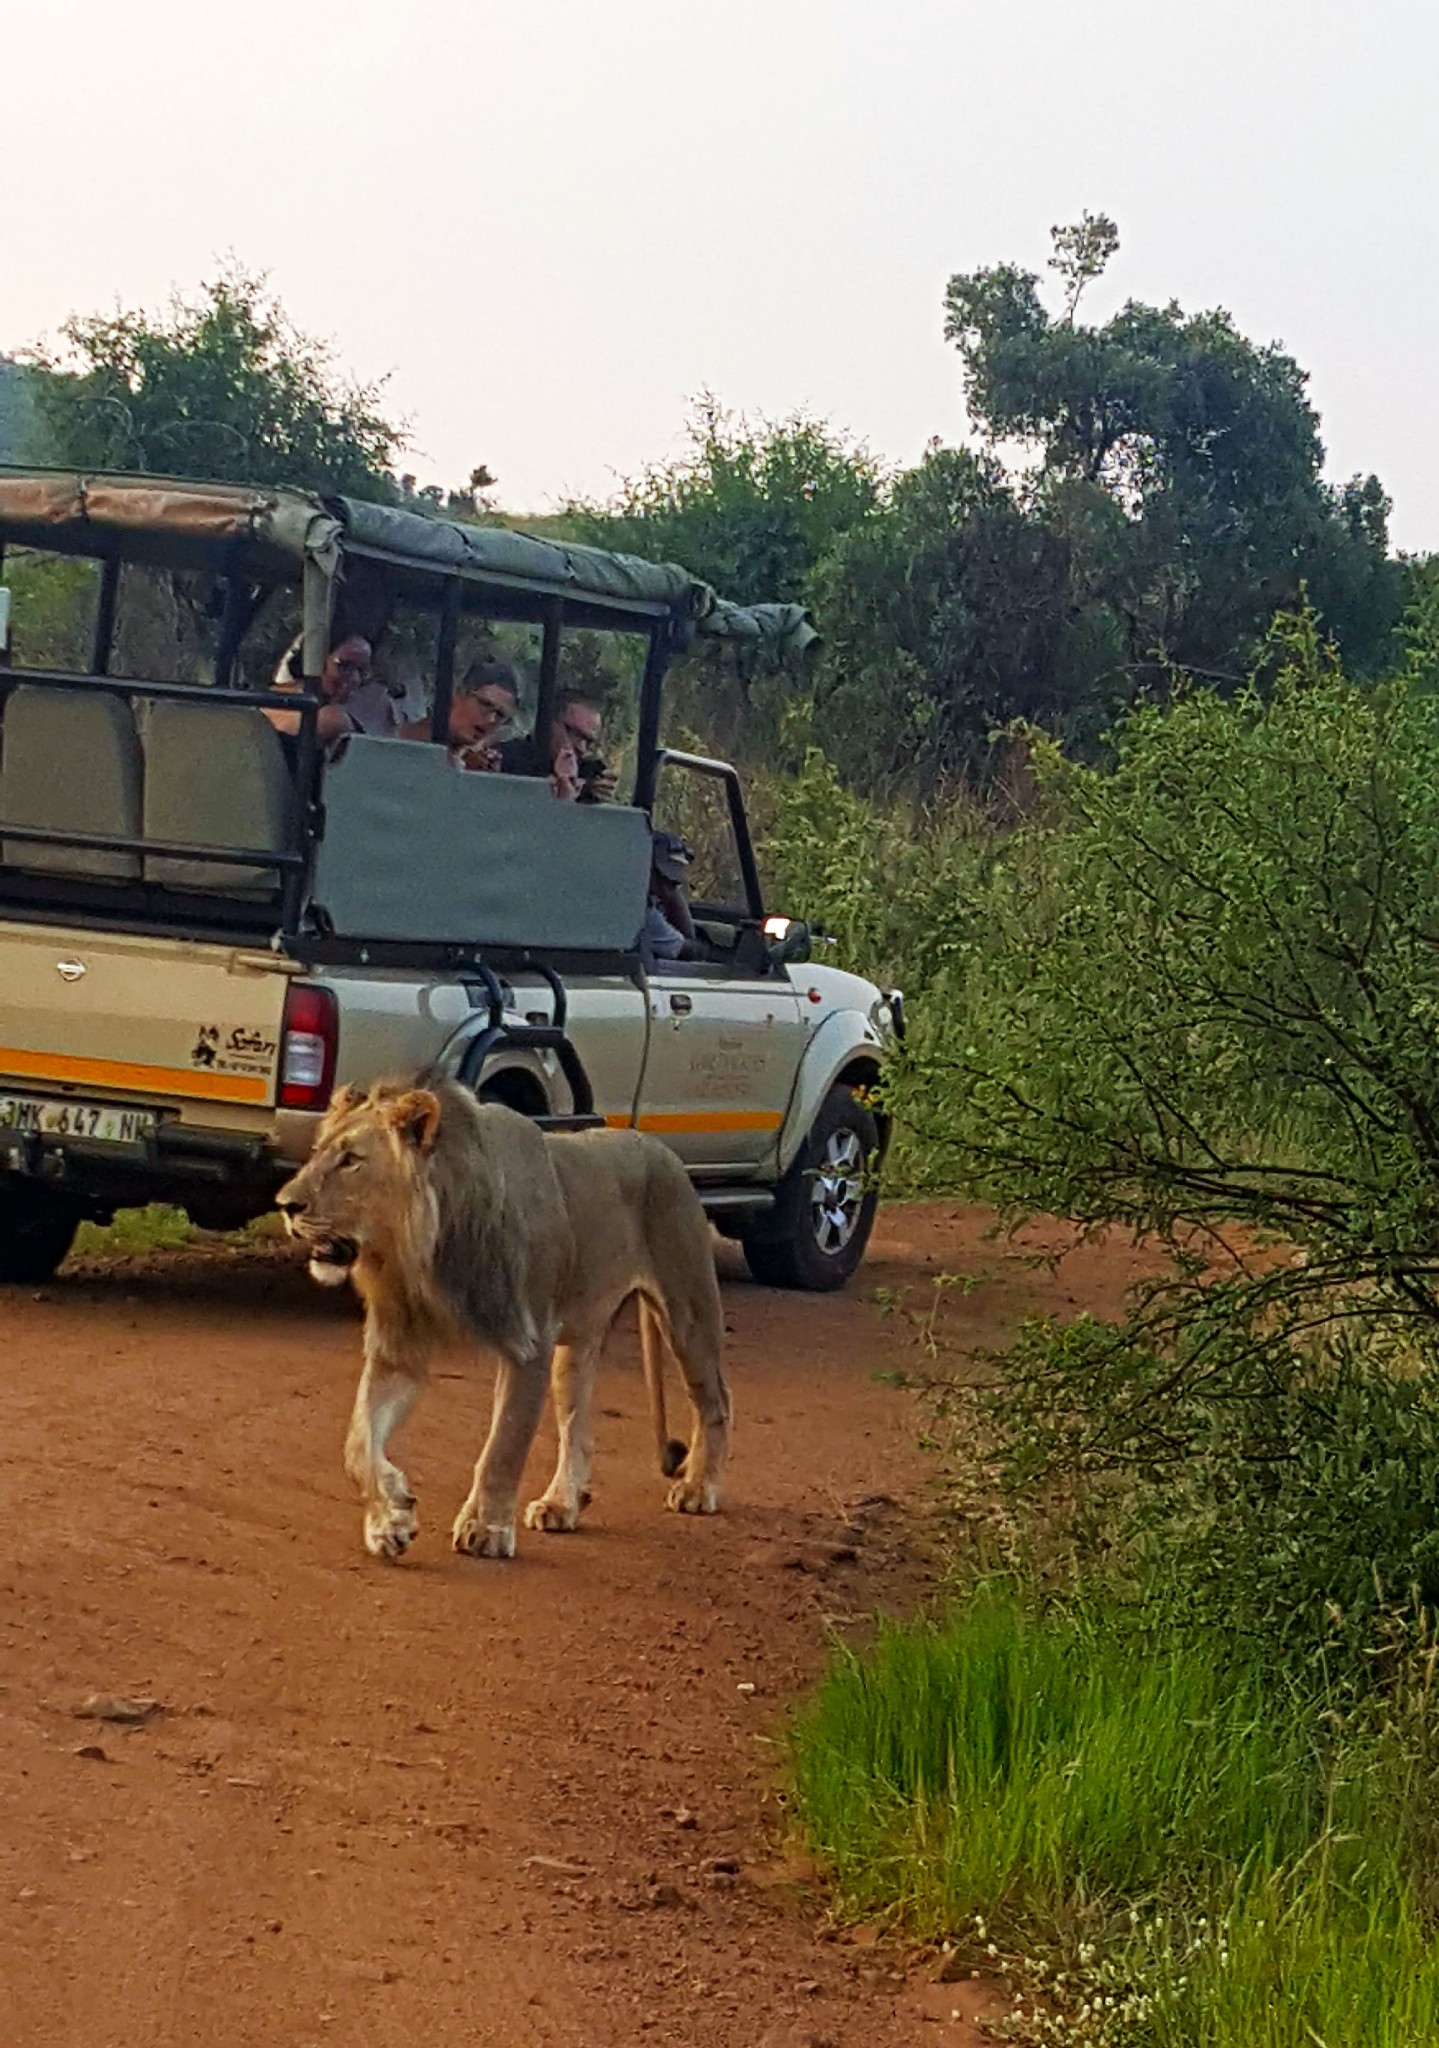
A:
(790, 940)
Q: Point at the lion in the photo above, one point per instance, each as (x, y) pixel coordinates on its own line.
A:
(457, 1218)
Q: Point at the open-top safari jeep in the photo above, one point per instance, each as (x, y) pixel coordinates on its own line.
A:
(205, 925)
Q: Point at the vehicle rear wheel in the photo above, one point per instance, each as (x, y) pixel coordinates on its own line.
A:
(37, 1228)
(816, 1233)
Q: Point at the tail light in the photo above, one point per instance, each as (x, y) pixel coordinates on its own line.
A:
(309, 1041)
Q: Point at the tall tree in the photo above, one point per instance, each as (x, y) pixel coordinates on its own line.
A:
(1206, 444)
(222, 386)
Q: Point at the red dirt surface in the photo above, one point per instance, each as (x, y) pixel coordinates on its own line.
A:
(525, 1805)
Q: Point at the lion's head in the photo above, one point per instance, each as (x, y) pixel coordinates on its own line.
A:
(365, 1188)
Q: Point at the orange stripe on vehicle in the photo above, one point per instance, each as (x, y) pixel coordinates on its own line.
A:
(55, 1066)
(673, 1122)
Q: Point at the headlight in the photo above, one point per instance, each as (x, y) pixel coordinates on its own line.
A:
(887, 1015)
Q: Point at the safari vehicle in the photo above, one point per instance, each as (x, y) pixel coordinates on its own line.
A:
(205, 926)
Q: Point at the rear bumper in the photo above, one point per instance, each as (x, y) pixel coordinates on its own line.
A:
(179, 1163)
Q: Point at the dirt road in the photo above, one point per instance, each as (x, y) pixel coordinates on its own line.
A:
(507, 1806)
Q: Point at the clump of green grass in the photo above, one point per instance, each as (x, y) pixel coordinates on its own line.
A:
(156, 1227)
(1142, 1823)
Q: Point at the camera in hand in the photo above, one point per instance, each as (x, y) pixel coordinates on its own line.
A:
(591, 766)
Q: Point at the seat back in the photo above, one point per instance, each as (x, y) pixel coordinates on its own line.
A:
(70, 762)
(215, 775)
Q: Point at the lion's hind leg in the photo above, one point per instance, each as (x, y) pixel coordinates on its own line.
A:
(572, 1384)
(692, 1332)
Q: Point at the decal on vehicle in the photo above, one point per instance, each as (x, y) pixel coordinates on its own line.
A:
(245, 1049)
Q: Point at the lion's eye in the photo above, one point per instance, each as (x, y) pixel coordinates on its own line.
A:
(348, 1161)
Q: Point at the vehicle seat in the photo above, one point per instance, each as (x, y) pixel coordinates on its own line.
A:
(70, 763)
(215, 775)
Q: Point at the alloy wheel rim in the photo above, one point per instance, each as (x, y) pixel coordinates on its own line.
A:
(837, 1192)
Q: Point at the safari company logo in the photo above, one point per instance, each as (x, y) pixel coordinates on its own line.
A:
(244, 1049)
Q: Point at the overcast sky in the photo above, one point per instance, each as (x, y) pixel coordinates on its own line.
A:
(550, 222)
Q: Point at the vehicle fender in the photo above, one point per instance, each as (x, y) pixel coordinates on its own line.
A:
(845, 1040)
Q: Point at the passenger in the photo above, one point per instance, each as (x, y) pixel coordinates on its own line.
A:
(483, 704)
(669, 927)
(572, 760)
(353, 703)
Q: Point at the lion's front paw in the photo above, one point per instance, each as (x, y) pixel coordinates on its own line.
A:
(555, 1517)
(693, 1497)
(391, 1527)
(483, 1539)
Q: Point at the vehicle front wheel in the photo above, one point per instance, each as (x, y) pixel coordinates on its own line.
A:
(37, 1228)
(816, 1233)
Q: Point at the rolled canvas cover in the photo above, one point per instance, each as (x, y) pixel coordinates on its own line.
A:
(415, 849)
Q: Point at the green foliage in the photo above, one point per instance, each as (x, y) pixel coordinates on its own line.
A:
(893, 885)
(1031, 1765)
(1229, 1009)
(54, 600)
(1145, 1833)
(224, 386)
(1205, 1008)
(1238, 1474)
(1205, 442)
(16, 411)
(947, 614)
(157, 1227)
(750, 507)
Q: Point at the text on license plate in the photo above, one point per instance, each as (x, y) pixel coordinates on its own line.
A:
(107, 1125)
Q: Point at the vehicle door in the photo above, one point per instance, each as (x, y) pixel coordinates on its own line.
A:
(727, 1030)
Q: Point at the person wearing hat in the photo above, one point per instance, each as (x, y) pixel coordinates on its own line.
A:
(669, 929)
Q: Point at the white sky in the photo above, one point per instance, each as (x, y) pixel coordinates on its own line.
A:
(551, 221)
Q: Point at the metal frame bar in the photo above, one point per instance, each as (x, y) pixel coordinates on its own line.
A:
(647, 747)
(445, 663)
(289, 867)
(552, 619)
(168, 849)
(105, 616)
(723, 771)
(236, 616)
(182, 693)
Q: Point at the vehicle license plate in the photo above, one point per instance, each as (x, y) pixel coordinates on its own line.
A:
(102, 1124)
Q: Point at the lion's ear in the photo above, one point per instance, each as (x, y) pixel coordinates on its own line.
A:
(415, 1115)
(345, 1099)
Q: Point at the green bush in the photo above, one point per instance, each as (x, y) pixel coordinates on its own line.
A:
(1142, 1831)
(1199, 998)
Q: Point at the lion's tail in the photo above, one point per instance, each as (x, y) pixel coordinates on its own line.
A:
(654, 1349)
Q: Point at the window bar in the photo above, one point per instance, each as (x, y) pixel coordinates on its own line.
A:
(105, 616)
(445, 663)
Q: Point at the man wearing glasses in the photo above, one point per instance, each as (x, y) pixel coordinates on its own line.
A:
(353, 703)
(572, 759)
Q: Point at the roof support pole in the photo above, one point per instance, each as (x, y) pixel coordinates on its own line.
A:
(651, 688)
(233, 621)
(445, 663)
(551, 618)
(319, 610)
(105, 616)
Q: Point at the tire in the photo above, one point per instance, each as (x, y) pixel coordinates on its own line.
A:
(816, 1233)
(37, 1228)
